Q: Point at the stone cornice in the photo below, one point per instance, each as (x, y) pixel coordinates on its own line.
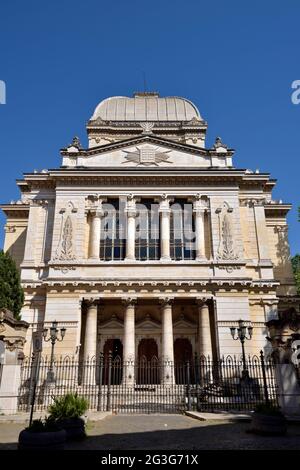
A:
(139, 140)
(178, 176)
(242, 283)
(18, 211)
(277, 209)
(130, 178)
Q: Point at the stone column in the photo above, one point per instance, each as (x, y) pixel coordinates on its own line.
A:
(90, 343)
(204, 333)
(130, 239)
(199, 212)
(164, 210)
(167, 357)
(129, 342)
(95, 233)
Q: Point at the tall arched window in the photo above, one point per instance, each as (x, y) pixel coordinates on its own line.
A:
(112, 240)
(182, 230)
(147, 243)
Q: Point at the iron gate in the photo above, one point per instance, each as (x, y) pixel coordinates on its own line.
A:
(154, 386)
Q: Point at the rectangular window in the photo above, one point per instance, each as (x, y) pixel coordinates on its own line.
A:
(147, 240)
(182, 231)
(112, 240)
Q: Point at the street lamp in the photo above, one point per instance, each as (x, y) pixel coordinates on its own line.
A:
(53, 337)
(242, 333)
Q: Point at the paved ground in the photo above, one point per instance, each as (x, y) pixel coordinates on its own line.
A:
(174, 432)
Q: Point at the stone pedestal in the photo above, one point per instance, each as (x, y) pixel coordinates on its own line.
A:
(12, 342)
(9, 388)
(289, 389)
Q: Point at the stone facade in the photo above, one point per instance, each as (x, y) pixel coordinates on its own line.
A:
(238, 266)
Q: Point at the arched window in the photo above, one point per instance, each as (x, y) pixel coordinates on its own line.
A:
(112, 240)
(182, 230)
(147, 243)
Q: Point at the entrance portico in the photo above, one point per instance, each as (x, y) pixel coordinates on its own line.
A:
(141, 330)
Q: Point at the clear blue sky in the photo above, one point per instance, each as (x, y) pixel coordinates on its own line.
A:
(236, 60)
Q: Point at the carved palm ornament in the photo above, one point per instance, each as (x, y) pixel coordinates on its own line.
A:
(65, 249)
(226, 250)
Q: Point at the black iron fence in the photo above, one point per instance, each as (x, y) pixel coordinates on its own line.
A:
(150, 386)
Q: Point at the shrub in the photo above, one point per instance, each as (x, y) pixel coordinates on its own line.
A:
(68, 406)
(46, 425)
(268, 409)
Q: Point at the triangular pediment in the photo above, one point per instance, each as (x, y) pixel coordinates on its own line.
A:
(112, 323)
(148, 324)
(184, 324)
(140, 152)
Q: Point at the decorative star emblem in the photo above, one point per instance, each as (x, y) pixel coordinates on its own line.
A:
(147, 156)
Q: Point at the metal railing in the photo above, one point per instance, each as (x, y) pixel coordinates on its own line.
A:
(153, 386)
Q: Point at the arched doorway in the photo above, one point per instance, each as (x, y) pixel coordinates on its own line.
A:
(147, 372)
(113, 369)
(183, 359)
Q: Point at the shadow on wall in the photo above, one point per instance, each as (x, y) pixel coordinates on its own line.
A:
(17, 248)
(283, 268)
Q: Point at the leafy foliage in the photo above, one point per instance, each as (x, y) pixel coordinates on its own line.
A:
(11, 292)
(47, 425)
(268, 409)
(68, 406)
(296, 270)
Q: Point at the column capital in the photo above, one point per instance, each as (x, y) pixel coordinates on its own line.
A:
(166, 301)
(164, 203)
(92, 302)
(94, 202)
(96, 212)
(202, 301)
(131, 206)
(129, 301)
(200, 205)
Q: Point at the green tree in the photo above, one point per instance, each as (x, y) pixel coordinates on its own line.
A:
(11, 292)
(296, 270)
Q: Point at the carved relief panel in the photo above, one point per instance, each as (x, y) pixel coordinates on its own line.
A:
(226, 250)
(66, 246)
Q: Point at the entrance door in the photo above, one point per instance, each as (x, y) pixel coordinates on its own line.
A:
(183, 358)
(147, 362)
(112, 370)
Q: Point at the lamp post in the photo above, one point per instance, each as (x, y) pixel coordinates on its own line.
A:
(53, 337)
(242, 333)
